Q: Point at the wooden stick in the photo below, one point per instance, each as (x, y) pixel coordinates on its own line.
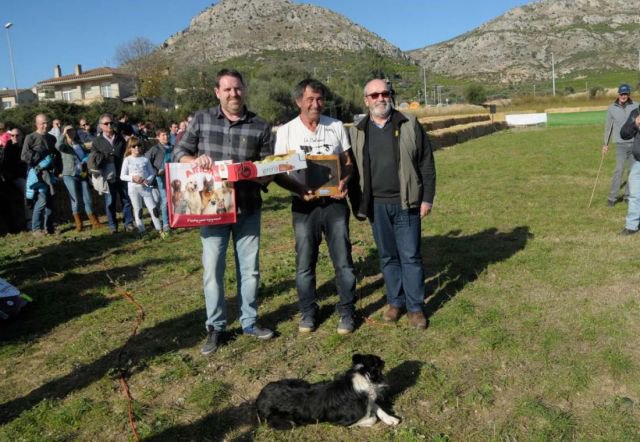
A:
(596, 183)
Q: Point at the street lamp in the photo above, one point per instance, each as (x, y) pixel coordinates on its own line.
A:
(8, 26)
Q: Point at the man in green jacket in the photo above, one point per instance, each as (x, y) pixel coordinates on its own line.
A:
(384, 142)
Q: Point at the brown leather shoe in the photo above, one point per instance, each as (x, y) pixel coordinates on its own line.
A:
(391, 314)
(417, 319)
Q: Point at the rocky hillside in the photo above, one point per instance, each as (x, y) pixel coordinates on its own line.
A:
(583, 35)
(232, 28)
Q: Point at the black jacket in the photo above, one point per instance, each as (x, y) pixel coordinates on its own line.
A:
(630, 131)
(102, 150)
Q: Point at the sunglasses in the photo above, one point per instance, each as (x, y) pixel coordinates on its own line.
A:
(383, 94)
(136, 146)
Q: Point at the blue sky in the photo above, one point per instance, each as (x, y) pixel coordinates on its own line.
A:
(69, 32)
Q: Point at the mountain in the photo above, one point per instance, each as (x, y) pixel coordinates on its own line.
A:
(233, 28)
(583, 35)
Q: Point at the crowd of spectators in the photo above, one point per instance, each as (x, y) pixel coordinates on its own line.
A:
(31, 167)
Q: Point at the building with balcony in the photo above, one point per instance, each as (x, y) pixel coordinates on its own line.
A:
(85, 87)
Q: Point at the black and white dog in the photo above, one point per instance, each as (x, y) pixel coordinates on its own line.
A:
(349, 400)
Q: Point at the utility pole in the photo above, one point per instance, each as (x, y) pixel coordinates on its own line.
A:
(424, 74)
(8, 26)
(553, 74)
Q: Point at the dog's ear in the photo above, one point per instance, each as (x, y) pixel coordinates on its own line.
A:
(357, 359)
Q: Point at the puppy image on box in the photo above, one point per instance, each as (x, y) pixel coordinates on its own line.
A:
(207, 196)
(348, 400)
(192, 196)
(179, 204)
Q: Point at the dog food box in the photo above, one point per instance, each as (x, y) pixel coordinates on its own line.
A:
(198, 197)
(323, 174)
(271, 165)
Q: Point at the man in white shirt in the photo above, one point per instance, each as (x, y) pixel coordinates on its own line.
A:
(314, 133)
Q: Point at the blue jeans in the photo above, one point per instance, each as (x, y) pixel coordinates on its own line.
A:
(310, 221)
(163, 201)
(633, 211)
(119, 188)
(41, 218)
(77, 186)
(246, 240)
(397, 235)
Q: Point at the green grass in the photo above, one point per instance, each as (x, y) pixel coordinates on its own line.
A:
(531, 297)
(576, 118)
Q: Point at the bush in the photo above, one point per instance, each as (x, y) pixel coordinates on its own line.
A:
(475, 94)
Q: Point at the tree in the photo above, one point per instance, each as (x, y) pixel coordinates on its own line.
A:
(140, 57)
(475, 94)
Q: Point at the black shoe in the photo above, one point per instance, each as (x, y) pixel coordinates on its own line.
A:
(610, 203)
(211, 344)
(627, 232)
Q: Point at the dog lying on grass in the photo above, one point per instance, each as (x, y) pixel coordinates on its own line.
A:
(348, 400)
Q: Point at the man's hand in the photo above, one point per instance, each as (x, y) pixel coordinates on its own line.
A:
(425, 209)
(342, 189)
(605, 148)
(203, 161)
(638, 121)
(307, 194)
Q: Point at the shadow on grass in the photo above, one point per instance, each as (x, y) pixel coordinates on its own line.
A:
(165, 337)
(452, 261)
(60, 299)
(216, 425)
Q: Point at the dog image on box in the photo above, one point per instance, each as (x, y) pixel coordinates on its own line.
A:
(349, 400)
(208, 197)
(192, 197)
(178, 202)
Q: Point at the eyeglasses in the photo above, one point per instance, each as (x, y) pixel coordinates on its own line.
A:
(136, 147)
(383, 94)
(107, 123)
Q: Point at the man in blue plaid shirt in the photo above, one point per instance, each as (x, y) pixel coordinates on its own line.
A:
(230, 132)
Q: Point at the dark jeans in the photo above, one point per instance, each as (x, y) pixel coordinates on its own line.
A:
(397, 235)
(119, 188)
(310, 221)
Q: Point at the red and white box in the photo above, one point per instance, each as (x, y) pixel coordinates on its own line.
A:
(198, 197)
(271, 165)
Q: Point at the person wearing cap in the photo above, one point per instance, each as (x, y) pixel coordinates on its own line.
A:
(617, 114)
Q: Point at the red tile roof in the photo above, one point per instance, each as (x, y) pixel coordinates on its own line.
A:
(103, 72)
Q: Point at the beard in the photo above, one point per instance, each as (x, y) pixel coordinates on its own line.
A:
(381, 110)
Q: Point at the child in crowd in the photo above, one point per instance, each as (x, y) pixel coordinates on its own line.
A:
(137, 171)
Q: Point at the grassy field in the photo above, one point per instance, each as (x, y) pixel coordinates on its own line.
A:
(531, 297)
(577, 118)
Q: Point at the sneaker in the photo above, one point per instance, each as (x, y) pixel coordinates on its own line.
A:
(258, 332)
(611, 203)
(211, 344)
(627, 232)
(346, 325)
(163, 234)
(38, 233)
(417, 319)
(307, 324)
(129, 228)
